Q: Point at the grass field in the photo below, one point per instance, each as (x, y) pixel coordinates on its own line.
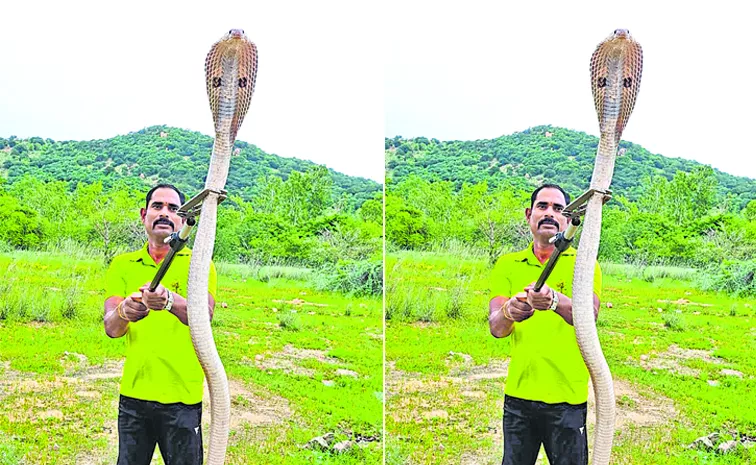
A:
(682, 360)
(301, 363)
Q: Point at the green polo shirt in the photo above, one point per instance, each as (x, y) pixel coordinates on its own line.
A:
(161, 364)
(545, 363)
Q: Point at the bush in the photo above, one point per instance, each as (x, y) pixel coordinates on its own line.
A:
(288, 321)
(673, 322)
(732, 277)
(352, 277)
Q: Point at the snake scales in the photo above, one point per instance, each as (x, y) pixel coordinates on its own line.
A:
(230, 70)
(616, 67)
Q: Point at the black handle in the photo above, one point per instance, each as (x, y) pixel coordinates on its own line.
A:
(561, 242)
(177, 242)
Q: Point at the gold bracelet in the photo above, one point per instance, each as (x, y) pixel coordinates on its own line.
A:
(119, 307)
(506, 313)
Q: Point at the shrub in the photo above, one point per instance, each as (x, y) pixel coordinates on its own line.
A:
(673, 322)
(288, 321)
(732, 277)
(352, 277)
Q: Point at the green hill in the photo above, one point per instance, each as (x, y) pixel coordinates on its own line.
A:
(536, 155)
(155, 153)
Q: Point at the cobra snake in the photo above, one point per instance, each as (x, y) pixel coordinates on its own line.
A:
(230, 70)
(616, 67)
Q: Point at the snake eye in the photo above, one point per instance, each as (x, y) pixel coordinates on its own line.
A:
(627, 82)
(216, 82)
(602, 82)
(243, 82)
(230, 31)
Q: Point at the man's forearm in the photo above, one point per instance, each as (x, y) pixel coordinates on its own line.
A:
(115, 326)
(500, 325)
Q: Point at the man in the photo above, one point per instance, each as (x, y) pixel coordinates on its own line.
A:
(162, 383)
(546, 391)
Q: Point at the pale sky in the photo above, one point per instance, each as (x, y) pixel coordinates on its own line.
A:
(74, 70)
(481, 70)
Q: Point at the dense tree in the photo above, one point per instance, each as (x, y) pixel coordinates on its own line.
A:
(293, 221)
(679, 221)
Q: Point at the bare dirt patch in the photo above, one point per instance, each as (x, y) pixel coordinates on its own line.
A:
(671, 359)
(634, 408)
(374, 333)
(424, 324)
(8, 377)
(465, 375)
(248, 408)
(682, 301)
(494, 370)
(298, 302)
(109, 370)
(289, 360)
(469, 458)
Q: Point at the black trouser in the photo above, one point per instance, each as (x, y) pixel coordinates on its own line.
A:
(559, 427)
(176, 428)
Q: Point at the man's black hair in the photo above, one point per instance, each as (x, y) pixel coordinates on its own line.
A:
(164, 186)
(548, 186)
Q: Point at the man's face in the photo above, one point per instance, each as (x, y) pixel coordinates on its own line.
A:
(160, 218)
(545, 218)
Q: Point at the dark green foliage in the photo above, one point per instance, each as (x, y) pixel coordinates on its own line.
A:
(406, 227)
(159, 153)
(542, 154)
(296, 221)
(22, 227)
(684, 220)
(287, 211)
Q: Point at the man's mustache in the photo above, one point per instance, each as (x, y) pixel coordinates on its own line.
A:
(164, 221)
(548, 221)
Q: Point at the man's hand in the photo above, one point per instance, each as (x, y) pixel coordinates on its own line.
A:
(518, 310)
(154, 300)
(539, 300)
(132, 309)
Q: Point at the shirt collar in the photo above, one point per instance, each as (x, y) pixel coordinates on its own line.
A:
(142, 255)
(527, 255)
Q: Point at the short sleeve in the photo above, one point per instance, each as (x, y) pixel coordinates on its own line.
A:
(212, 281)
(597, 280)
(115, 285)
(499, 282)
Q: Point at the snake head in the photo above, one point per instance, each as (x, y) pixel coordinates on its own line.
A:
(230, 74)
(616, 67)
(235, 34)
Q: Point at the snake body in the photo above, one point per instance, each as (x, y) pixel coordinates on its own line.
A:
(230, 69)
(616, 67)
